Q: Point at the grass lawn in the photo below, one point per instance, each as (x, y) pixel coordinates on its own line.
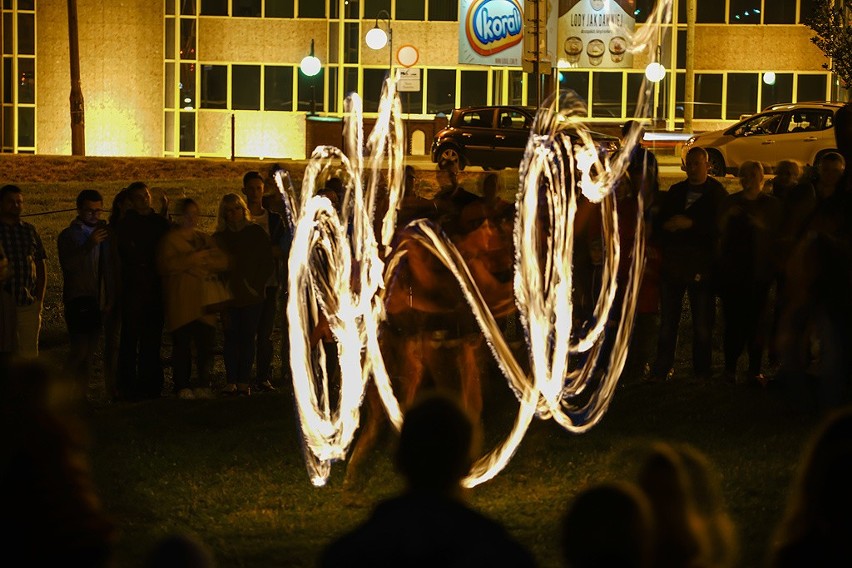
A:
(231, 470)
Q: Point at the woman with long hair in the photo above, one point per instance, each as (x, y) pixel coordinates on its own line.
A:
(249, 266)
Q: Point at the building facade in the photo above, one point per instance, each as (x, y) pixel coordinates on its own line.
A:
(212, 78)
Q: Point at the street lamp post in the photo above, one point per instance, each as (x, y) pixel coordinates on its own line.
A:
(376, 38)
(310, 66)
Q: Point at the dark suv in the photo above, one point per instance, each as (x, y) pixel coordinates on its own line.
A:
(493, 137)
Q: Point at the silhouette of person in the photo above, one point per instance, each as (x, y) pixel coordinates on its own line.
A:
(180, 550)
(51, 511)
(429, 524)
(608, 526)
(816, 527)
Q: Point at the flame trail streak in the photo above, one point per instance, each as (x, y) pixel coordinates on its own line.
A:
(336, 272)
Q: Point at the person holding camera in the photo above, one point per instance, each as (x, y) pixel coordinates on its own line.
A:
(87, 280)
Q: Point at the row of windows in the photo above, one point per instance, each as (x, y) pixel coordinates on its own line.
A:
(739, 11)
(17, 76)
(612, 94)
(717, 95)
(707, 11)
(417, 10)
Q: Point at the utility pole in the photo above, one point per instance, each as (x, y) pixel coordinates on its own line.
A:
(534, 60)
(689, 83)
(78, 115)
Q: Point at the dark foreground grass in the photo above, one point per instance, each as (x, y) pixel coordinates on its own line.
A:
(231, 470)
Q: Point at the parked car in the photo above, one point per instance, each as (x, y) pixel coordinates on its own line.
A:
(802, 131)
(493, 137)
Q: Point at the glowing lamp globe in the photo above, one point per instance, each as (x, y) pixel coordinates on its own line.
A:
(376, 38)
(769, 77)
(310, 65)
(655, 72)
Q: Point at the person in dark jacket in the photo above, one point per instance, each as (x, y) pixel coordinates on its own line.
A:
(88, 281)
(140, 370)
(687, 229)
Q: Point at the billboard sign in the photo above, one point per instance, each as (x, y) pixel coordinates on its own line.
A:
(491, 32)
(588, 33)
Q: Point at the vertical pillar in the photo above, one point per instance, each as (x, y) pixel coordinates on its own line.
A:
(78, 122)
(689, 84)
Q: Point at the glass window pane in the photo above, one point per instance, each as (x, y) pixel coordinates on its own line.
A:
(278, 88)
(516, 88)
(411, 10)
(350, 81)
(744, 12)
(351, 42)
(169, 132)
(333, 42)
(187, 7)
(709, 12)
(7, 80)
(246, 8)
(169, 92)
(214, 86)
(8, 127)
(311, 92)
(680, 88)
(577, 81)
(606, 95)
(333, 92)
(280, 8)
(351, 9)
(643, 9)
(742, 94)
(811, 88)
(187, 85)
(26, 80)
(412, 103)
(373, 81)
(8, 46)
(26, 34)
(637, 87)
(170, 7)
(779, 12)
(187, 38)
(187, 132)
(680, 58)
(474, 88)
(311, 9)
(441, 91)
(781, 91)
(806, 10)
(26, 5)
(170, 38)
(214, 7)
(26, 127)
(373, 7)
(708, 95)
(444, 10)
(245, 87)
(681, 11)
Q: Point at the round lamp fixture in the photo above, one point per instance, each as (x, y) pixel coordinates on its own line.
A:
(376, 38)
(310, 65)
(769, 77)
(655, 72)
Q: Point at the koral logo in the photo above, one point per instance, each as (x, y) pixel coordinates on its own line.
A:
(494, 25)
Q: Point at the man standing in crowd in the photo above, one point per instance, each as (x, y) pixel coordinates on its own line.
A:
(28, 280)
(140, 371)
(87, 282)
(688, 234)
(279, 235)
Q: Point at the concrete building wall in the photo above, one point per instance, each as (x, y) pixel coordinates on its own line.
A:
(121, 67)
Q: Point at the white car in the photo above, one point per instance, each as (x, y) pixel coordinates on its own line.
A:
(802, 131)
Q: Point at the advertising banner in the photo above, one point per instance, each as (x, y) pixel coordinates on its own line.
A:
(491, 32)
(585, 36)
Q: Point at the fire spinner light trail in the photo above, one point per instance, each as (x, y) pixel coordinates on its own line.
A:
(337, 275)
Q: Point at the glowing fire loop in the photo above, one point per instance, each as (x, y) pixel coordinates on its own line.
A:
(336, 272)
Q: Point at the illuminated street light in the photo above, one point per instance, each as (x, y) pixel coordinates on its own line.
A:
(655, 72)
(769, 77)
(377, 38)
(310, 65)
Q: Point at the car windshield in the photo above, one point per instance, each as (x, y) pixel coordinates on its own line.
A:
(762, 124)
